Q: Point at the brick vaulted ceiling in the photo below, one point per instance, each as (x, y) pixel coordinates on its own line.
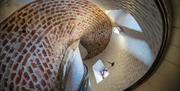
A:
(34, 38)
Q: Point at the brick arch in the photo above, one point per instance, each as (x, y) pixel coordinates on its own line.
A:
(34, 39)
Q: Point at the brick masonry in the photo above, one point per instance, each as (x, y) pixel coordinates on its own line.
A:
(34, 39)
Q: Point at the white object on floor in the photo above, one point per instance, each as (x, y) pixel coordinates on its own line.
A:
(98, 67)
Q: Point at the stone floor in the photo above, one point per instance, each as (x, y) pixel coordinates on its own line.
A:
(127, 69)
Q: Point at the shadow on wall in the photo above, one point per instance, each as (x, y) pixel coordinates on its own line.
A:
(136, 47)
(123, 18)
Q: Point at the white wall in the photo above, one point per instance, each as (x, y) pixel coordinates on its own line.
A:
(76, 72)
(167, 77)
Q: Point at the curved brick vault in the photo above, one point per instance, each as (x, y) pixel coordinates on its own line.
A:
(34, 39)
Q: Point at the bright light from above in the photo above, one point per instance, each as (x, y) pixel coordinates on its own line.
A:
(136, 47)
(116, 30)
(123, 18)
(140, 49)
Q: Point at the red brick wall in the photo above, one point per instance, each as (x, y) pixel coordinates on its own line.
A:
(34, 39)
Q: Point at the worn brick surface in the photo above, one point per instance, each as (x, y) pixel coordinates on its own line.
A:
(33, 40)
